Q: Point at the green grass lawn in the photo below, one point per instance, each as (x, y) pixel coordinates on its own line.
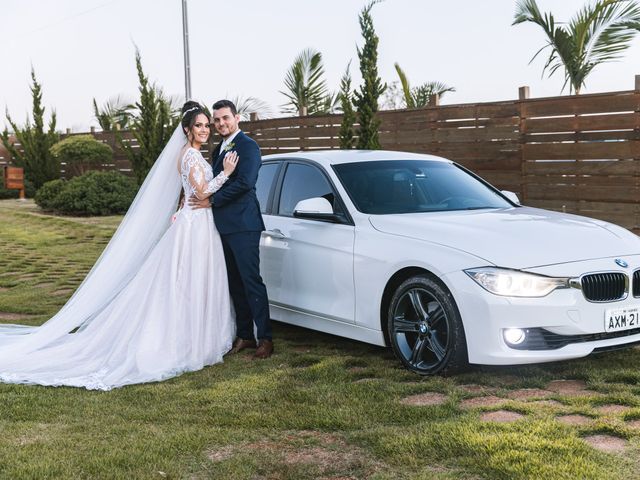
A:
(321, 407)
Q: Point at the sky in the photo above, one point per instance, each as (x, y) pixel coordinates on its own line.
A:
(85, 49)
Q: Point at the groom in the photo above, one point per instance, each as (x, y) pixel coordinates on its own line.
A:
(237, 216)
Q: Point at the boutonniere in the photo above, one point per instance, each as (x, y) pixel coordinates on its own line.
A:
(229, 146)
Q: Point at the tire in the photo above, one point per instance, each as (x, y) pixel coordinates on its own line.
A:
(425, 328)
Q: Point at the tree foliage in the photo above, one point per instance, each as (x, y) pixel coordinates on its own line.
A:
(153, 120)
(347, 131)
(34, 153)
(366, 99)
(80, 153)
(419, 97)
(114, 111)
(306, 88)
(597, 33)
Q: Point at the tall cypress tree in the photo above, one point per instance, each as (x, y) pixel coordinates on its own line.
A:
(366, 100)
(347, 132)
(152, 125)
(34, 156)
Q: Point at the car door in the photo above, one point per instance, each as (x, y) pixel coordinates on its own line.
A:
(308, 264)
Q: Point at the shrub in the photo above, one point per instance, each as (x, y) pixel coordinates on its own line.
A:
(46, 195)
(81, 153)
(94, 193)
(4, 193)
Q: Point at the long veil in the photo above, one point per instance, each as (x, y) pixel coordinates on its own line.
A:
(146, 221)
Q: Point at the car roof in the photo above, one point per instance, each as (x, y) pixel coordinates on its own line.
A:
(335, 157)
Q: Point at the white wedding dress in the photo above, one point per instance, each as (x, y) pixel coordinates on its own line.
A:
(167, 310)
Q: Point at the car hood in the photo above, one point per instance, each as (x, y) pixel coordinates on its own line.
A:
(521, 237)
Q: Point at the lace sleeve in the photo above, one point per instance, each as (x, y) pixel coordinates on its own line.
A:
(195, 164)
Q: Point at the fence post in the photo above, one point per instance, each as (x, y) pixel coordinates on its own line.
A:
(523, 95)
(434, 100)
(302, 129)
(636, 158)
(253, 116)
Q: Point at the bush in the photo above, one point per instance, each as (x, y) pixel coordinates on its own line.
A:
(45, 197)
(81, 153)
(94, 193)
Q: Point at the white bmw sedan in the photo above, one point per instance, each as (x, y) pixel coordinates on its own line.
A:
(416, 252)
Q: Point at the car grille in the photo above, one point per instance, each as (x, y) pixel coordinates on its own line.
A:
(604, 287)
(636, 283)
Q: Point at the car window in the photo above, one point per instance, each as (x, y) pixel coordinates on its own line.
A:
(302, 182)
(264, 183)
(411, 186)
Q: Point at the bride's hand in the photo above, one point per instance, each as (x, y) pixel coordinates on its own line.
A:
(230, 162)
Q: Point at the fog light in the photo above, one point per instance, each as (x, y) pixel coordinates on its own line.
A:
(514, 336)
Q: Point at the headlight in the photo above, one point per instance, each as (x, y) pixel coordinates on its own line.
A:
(514, 283)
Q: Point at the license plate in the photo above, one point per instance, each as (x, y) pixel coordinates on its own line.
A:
(619, 319)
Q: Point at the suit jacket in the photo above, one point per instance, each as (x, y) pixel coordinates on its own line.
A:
(235, 205)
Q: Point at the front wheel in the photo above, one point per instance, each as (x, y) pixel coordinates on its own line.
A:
(425, 328)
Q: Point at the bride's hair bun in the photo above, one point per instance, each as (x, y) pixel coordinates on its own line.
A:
(191, 106)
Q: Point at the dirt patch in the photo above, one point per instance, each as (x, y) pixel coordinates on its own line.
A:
(634, 423)
(63, 291)
(366, 380)
(425, 399)
(220, 454)
(13, 316)
(501, 416)
(574, 420)
(329, 454)
(479, 402)
(569, 387)
(546, 403)
(607, 443)
(477, 389)
(528, 393)
(613, 409)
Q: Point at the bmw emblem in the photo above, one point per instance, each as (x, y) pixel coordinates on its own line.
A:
(622, 263)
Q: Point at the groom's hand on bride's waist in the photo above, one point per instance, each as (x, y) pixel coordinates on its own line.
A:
(195, 203)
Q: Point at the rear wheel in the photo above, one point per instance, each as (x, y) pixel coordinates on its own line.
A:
(425, 327)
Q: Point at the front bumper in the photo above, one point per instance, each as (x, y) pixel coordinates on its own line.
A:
(561, 326)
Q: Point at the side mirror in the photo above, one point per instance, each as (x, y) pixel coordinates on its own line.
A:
(511, 196)
(317, 208)
(313, 205)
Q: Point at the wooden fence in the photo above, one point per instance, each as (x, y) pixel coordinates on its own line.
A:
(579, 154)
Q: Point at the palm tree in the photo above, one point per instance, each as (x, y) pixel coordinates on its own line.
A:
(306, 87)
(596, 34)
(418, 97)
(248, 105)
(113, 111)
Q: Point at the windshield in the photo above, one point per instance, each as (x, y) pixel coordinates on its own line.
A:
(411, 186)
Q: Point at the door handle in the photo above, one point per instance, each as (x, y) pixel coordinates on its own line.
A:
(275, 233)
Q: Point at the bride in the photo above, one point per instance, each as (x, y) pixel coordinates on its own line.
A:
(156, 303)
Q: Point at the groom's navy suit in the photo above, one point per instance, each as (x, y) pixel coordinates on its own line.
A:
(236, 212)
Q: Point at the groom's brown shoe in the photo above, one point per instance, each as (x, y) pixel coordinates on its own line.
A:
(265, 349)
(242, 344)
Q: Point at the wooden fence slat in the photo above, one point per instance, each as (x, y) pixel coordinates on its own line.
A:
(581, 151)
(580, 104)
(616, 121)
